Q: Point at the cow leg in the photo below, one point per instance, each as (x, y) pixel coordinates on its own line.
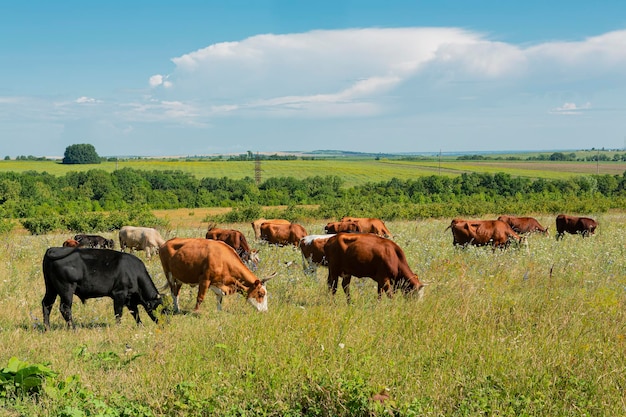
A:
(219, 295)
(174, 290)
(119, 300)
(332, 282)
(384, 287)
(46, 305)
(133, 307)
(66, 311)
(203, 286)
(345, 284)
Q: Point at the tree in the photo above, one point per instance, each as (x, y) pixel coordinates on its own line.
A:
(83, 153)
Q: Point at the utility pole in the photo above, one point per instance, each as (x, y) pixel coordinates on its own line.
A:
(439, 161)
(257, 169)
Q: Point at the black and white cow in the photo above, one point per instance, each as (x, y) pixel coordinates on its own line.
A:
(94, 241)
(93, 273)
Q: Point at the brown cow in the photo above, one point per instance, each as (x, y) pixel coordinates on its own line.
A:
(482, 232)
(256, 225)
(571, 224)
(312, 248)
(368, 255)
(236, 240)
(524, 224)
(370, 225)
(282, 234)
(209, 264)
(338, 227)
(71, 243)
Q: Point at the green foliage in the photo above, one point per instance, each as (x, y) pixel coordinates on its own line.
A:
(78, 200)
(20, 378)
(83, 153)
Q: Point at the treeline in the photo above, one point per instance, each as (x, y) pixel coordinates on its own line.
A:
(555, 156)
(97, 200)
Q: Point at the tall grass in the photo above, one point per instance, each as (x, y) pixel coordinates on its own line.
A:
(537, 331)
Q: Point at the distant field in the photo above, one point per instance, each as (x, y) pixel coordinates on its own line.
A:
(352, 171)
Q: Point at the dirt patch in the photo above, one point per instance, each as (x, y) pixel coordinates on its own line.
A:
(189, 218)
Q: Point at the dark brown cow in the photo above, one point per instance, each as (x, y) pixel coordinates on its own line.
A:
(524, 224)
(282, 234)
(256, 225)
(312, 248)
(236, 240)
(338, 227)
(210, 264)
(368, 255)
(482, 232)
(370, 225)
(585, 226)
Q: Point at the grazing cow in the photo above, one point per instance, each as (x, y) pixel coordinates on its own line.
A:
(93, 273)
(71, 243)
(236, 240)
(343, 226)
(524, 224)
(312, 248)
(368, 255)
(256, 225)
(370, 225)
(482, 232)
(140, 238)
(572, 224)
(210, 264)
(282, 234)
(94, 241)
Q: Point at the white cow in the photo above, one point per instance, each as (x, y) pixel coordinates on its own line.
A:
(141, 238)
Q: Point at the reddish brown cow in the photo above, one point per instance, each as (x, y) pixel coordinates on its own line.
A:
(256, 225)
(370, 225)
(282, 234)
(71, 243)
(338, 227)
(524, 224)
(368, 255)
(312, 248)
(210, 264)
(236, 240)
(482, 232)
(571, 224)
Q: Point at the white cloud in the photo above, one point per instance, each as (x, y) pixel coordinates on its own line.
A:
(357, 68)
(571, 108)
(158, 79)
(86, 100)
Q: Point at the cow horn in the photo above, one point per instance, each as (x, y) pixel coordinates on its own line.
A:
(264, 280)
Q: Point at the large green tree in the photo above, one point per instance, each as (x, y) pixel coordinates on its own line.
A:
(82, 153)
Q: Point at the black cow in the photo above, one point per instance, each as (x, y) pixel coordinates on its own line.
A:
(94, 273)
(94, 241)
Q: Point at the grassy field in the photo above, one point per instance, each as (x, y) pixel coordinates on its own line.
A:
(538, 331)
(352, 171)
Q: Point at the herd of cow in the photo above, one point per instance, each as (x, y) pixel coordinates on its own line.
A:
(88, 266)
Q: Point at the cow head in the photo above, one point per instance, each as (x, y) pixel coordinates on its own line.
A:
(151, 307)
(253, 259)
(257, 296)
(410, 286)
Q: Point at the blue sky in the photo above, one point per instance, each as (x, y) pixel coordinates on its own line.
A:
(155, 78)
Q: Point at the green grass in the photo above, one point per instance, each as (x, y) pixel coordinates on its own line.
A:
(532, 332)
(352, 171)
